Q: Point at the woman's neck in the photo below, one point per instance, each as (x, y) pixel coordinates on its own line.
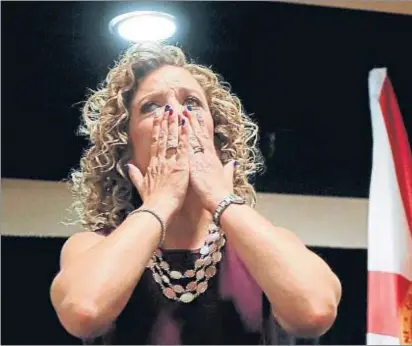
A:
(189, 227)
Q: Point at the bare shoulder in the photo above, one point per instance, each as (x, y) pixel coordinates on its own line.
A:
(77, 244)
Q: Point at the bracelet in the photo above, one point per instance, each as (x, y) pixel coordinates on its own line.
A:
(162, 224)
(231, 199)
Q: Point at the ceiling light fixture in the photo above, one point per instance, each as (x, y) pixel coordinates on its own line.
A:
(144, 26)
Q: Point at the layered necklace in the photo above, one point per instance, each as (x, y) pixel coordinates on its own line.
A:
(170, 280)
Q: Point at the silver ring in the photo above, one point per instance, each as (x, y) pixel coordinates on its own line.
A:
(198, 149)
(172, 146)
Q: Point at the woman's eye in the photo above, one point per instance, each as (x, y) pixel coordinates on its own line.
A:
(192, 101)
(148, 107)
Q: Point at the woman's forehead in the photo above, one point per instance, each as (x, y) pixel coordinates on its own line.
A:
(168, 77)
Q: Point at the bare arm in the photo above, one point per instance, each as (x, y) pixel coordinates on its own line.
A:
(98, 274)
(303, 291)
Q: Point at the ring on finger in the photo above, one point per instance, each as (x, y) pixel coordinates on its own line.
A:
(198, 149)
(171, 145)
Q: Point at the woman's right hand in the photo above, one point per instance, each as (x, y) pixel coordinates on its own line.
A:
(167, 176)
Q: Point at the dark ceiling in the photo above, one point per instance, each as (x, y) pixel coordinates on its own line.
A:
(302, 71)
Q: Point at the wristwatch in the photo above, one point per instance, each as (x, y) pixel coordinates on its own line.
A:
(231, 199)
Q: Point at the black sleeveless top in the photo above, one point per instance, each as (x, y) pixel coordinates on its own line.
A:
(233, 310)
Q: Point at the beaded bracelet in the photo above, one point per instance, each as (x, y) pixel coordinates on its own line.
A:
(162, 224)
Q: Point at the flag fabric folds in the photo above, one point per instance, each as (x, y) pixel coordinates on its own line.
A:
(389, 220)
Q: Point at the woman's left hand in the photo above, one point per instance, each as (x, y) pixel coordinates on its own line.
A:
(211, 181)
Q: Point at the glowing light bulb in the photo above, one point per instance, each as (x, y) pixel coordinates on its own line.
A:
(144, 26)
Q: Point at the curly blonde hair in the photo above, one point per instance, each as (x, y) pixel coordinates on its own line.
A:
(103, 193)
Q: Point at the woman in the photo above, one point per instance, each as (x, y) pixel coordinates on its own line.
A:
(162, 186)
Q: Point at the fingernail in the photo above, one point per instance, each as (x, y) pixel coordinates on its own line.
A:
(189, 108)
(182, 122)
(170, 111)
(167, 108)
(235, 164)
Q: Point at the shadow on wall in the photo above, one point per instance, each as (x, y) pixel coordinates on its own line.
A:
(30, 263)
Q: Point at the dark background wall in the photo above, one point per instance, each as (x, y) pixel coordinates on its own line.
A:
(301, 71)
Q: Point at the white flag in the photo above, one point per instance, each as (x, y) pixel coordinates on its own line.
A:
(390, 220)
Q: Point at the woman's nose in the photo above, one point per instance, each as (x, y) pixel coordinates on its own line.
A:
(176, 106)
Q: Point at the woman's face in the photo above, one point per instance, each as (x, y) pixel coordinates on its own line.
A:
(168, 85)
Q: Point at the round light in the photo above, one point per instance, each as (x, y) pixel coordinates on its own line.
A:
(144, 26)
